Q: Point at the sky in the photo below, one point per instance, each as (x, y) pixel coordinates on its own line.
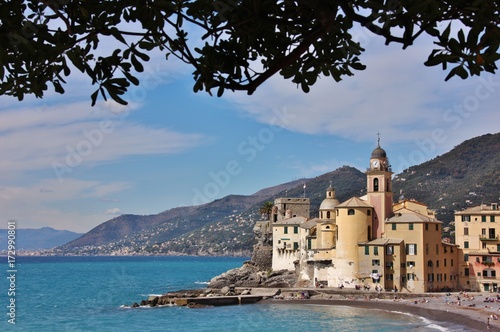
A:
(67, 165)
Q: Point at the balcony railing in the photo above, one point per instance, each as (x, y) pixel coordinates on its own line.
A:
(496, 238)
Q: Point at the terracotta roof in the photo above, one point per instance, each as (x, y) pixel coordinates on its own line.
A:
(411, 217)
(291, 221)
(354, 202)
(479, 209)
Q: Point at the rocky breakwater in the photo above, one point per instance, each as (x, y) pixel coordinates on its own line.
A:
(227, 295)
(250, 275)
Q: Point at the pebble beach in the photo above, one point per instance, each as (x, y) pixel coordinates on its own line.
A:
(475, 311)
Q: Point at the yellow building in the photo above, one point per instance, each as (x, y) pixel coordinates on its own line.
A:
(365, 241)
(477, 232)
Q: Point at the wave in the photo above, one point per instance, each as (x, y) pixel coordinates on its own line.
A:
(202, 282)
(428, 323)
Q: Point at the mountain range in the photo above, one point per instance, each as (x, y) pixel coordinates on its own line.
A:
(468, 175)
(38, 238)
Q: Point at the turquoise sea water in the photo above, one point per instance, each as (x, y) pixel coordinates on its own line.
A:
(87, 294)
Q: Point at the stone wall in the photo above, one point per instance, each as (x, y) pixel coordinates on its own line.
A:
(262, 256)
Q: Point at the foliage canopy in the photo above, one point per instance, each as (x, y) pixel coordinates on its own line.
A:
(231, 44)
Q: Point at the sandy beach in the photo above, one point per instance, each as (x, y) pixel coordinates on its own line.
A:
(475, 311)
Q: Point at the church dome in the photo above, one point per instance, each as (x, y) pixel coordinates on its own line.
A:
(330, 202)
(378, 152)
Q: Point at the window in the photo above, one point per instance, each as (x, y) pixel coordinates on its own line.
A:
(483, 232)
(429, 263)
(451, 262)
(390, 277)
(444, 262)
(309, 244)
(410, 264)
(430, 276)
(285, 230)
(389, 265)
(375, 262)
(466, 231)
(375, 251)
(295, 245)
(489, 273)
(483, 218)
(369, 212)
(491, 233)
(410, 276)
(477, 260)
(466, 272)
(437, 263)
(411, 249)
(492, 218)
(466, 258)
(426, 227)
(327, 214)
(484, 245)
(375, 184)
(350, 212)
(466, 244)
(437, 249)
(393, 227)
(389, 250)
(465, 217)
(367, 250)
(410, 226)
(295, 229)
(498, 247)
(437, 227)
(426, 248)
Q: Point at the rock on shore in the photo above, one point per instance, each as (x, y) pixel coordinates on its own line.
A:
(250, 275)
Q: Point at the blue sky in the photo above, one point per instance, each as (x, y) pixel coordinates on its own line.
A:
(69, 166)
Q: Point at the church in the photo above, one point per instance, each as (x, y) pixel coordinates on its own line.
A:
(365, 242)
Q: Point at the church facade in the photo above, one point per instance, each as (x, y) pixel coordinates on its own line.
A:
(365, 242)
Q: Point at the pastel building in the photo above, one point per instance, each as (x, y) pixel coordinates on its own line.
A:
(477, 232)
(365, 241)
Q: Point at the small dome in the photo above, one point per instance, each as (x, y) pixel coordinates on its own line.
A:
(329, 204)
(378, 152)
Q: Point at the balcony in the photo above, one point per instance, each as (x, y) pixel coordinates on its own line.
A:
(496, 238)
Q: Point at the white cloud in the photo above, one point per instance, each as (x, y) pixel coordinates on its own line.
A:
(113, 211)
(39, 204)
(69, 136)
(396, 95)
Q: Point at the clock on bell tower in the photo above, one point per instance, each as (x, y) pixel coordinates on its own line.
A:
(379, 189)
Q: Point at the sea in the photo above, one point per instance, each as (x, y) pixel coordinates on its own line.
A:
(95, 294)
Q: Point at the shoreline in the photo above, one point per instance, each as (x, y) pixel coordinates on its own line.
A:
(472, 313)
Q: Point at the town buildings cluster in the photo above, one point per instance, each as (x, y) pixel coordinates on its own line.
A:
(372, 243)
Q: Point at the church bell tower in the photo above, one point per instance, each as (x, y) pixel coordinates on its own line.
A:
(379, 189)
